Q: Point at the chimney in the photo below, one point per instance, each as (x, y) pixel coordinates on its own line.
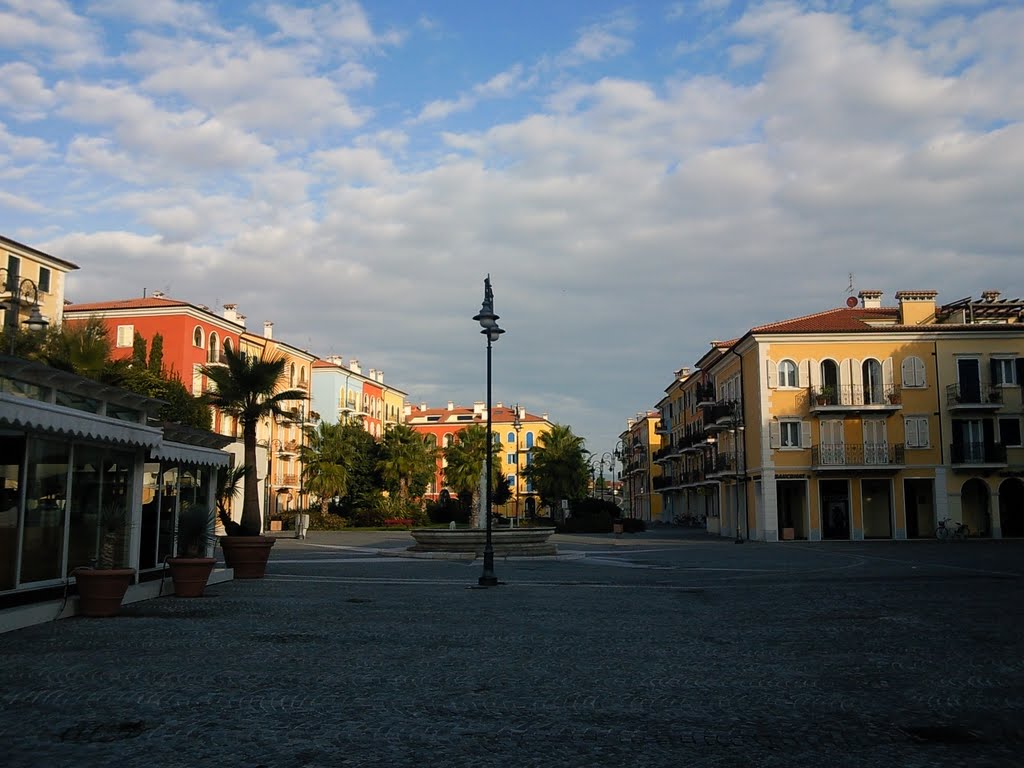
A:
(268, 330)
(478, 408)
(406, 410)
(451, 405)
(989, 296)
(230, 312)
(916, 307)
(380, 376)
(499, 404)
(373, 374)
(333, 359)
(158, 294)
(870, 299)
(353, 365)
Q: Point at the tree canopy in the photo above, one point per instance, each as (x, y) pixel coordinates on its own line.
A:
(557, 466)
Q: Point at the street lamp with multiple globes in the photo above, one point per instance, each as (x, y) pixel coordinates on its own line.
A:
(517, 425)
(489, 323)
(17, 290)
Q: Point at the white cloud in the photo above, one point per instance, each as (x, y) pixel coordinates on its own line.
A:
(49, 31)
(172, 13)
(20, 203)
(24, 91)
(189, 140)
(601, 41)
(23, 148)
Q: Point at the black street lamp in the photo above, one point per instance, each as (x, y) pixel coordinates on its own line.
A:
(517, 424)
(19, 291)
(489, 322)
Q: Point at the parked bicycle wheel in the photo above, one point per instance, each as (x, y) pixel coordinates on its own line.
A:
(942, 532)
(963, 532)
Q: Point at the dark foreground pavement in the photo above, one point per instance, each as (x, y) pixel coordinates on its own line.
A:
(662, 649)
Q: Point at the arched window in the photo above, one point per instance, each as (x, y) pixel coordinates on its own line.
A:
(872, 379)
(830, 381)
(430, 441)
(302, 377)
(228, 346)
(213, 355)
(197, 337)
(529, 439)
(789, 374)
(511, 437)
(447, 439)
(291, 375)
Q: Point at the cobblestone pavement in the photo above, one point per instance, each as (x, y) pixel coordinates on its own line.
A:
(662, 649)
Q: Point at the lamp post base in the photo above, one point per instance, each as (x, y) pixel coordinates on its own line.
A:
(488, 579)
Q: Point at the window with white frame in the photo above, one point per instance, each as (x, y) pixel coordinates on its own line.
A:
(510, 459)
(197, 380)
(1004, 371)
(789, 434)
(197, 337)
(125, 335)
(1009, 431)
(913, 372)
(915, 431)
(44, 280)
(510, 437)
(789, 374)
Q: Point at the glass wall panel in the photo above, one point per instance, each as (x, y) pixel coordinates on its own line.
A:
(117, 504)
(42, 543)
(168, 509)
(12, 455)
(84, 507)
(150, 515)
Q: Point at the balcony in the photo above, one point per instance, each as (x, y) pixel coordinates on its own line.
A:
(825, 399)
(288, 481)
(977, 455)
(724, 464)
(857, 456)
(973, 397)
(286, 448)
(722, 416)
(661, 427)
(666, 453)
(705, 394)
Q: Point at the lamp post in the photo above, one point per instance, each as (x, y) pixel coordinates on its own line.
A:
(611, 464)
(489, 323)
(19, 291)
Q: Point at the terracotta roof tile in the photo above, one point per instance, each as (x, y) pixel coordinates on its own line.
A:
(831, 320)
(148, 302)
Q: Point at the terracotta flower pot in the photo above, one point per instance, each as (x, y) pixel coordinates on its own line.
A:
(100, 591)
(190, 574)
(247, 555)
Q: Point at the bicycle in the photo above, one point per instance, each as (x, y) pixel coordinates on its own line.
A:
(951, 529)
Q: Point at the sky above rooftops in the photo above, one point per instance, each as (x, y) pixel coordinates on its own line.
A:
(637, 178)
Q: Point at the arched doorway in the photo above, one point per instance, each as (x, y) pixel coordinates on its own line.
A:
(1011, 507)
(974, 506)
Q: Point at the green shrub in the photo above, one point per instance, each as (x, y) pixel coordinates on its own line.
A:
(597, 522)
(633, 525)
(323, 521)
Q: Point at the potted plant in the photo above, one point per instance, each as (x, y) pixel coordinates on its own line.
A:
(826, 395)
(102, 587)
(192, 567)
(894, 397)
(246, 387)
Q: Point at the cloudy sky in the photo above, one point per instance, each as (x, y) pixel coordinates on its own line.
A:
(637, 178)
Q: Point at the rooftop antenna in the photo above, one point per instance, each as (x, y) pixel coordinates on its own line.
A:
(849, 285)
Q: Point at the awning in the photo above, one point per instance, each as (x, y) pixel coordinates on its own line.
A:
(190, 454)
(22, 413)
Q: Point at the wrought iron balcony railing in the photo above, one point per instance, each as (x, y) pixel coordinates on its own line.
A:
(856, 454)
(967, 395)
(854, 396)
(977, 453)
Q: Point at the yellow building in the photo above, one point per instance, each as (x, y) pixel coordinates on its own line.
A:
(641, 440)
(859, 422)
(30, 280)
(515, 429)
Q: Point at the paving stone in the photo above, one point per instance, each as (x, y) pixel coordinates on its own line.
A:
(669, 650)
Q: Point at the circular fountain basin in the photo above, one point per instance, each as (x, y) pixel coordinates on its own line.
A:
(504, 541)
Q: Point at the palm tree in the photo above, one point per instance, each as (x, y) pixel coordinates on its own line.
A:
(408, 463)
(246, 388)
(325, 462)
(465, 459)
(557, 468)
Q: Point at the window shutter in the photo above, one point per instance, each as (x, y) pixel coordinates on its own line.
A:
(774, 438)
(910, 432)
(855, 393)
(815, 370)
(994, 371)
(805, 434)
(845, 379)
(1019, 365)
(923, 440)
(887, 373)
(907, 371)
(803, 373)
(919, 377)
(772, 372)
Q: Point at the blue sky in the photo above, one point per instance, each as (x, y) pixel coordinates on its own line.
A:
(638, 178)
